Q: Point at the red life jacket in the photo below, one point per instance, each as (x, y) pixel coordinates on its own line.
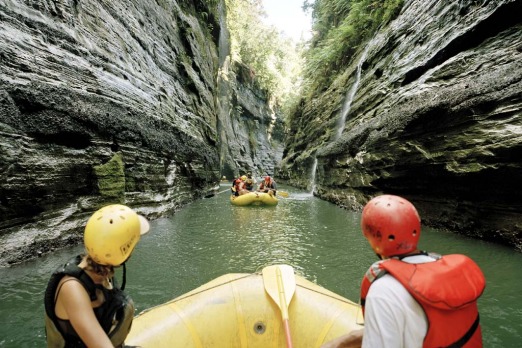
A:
(266, 185)
(447, 289)
(237, 185)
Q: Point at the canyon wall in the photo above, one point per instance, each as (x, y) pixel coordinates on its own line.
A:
(436, 117)
(117, 102)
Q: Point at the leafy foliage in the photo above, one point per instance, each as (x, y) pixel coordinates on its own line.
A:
(288, 70)
(275, 61)
(340, 27)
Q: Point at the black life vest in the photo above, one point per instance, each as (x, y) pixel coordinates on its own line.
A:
(114, 315)
(249, 184)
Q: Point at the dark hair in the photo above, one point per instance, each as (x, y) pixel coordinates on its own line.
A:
(102, 270)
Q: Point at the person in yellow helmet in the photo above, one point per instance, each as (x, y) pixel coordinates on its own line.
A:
(250, 182)
(84, 306)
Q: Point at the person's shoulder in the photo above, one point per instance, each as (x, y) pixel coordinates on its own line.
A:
(422, 258)
(387, 285)
(71, 282)
(71, 290)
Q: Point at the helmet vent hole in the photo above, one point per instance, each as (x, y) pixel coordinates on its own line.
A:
(414, 232)
(391, 237)
(110, 221)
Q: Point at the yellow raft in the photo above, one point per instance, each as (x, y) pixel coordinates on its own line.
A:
(254, 198)
(246, 310)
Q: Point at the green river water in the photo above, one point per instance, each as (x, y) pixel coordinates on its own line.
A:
(210, 237)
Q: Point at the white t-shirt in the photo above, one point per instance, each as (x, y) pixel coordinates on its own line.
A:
(392, 317)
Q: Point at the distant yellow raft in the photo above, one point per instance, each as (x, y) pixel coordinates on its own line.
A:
(254, 198)
(235, 311)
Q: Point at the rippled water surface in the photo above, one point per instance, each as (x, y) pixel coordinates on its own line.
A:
(211, 237)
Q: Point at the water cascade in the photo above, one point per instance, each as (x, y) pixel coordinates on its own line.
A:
(349, 96)
(312, 178)
(345, 109)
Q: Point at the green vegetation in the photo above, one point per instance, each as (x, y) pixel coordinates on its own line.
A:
(275, 61)
(111, 177)
(291, 71)
(340, 27)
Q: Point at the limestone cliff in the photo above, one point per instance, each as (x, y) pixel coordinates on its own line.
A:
(435, 116)
(116, 101)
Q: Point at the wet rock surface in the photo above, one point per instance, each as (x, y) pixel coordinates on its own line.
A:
(85, 82)
(436, 118)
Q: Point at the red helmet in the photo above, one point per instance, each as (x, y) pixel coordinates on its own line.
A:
(391, 224)
(267, 178)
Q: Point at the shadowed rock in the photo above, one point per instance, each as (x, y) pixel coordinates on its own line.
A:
(436, 118)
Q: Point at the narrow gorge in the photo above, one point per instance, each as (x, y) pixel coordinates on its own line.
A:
(139, 102)
(134, 102)
(436, 117)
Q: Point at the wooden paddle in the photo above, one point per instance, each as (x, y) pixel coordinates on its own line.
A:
(279, 281)
(283, 193)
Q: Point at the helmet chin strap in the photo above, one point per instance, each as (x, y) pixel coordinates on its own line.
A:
(124, 278)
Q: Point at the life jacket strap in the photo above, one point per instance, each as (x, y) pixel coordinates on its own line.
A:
(464, 339)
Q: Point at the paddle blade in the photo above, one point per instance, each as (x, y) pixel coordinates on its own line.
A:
(283, 193)
(279, 281)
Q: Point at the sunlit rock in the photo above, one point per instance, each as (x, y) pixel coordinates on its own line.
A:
(436, 118)
(85, 85)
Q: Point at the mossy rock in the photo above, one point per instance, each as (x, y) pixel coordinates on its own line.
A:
(111, 177)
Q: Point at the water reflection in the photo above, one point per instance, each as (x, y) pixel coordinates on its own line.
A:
(211, 237)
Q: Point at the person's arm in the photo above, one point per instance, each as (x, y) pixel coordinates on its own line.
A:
(351, 340)
(77, 305)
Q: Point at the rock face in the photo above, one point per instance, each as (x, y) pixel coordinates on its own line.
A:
(116, 101)
(436, 117)
(254, 132)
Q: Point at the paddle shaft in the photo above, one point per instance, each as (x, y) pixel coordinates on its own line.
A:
(287, 332)
(284, 307)
(279, 281)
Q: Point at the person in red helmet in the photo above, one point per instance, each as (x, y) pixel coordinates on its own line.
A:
(268, 185)
(411, 298)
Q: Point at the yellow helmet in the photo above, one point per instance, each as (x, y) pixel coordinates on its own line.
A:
(112, 232)
(244, 177)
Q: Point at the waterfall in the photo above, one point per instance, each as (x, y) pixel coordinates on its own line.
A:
(312, 178)
(345, 109)
(224, 39)
(349, 96)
